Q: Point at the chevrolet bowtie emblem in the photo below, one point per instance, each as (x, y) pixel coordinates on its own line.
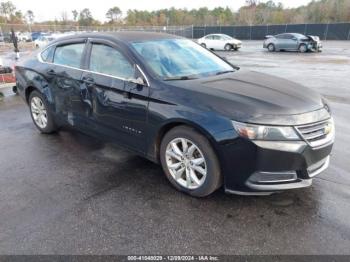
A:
(327, 129)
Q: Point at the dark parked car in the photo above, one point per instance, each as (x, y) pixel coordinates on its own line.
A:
(174, 102)
(293, 42)
(36, 35)
(6, 37)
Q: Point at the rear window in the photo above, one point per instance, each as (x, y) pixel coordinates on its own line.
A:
(69, 55)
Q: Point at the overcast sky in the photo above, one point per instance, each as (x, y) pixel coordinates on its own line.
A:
(49, 9)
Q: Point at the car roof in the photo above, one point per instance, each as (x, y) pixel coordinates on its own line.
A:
(123, 36)
(216, 34)
(294, 34)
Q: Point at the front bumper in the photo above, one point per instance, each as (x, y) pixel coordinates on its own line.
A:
(264, 167)
(275, 181)
(236, 45)
(315, 46)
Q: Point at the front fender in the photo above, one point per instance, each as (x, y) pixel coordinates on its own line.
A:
(163, 117)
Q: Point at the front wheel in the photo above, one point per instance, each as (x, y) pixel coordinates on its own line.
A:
(189, 162)
(228, 47)
(302, 48)
(41, 114)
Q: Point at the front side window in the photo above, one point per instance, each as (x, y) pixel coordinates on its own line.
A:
(107, 60)
(281, 36)
(226, 37)
(69, 55)
(176, 58)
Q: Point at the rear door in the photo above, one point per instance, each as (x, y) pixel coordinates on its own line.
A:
(118, 108)
(217, 42)
(65, 74)
(280, 41)
(209, 41)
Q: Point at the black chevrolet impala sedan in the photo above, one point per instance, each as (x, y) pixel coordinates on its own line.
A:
(207, 122)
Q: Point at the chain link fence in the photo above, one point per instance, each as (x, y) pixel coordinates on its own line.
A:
(334, 31)
(21, 29)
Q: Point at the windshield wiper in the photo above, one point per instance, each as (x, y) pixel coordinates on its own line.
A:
(224, 72)
(179, 78)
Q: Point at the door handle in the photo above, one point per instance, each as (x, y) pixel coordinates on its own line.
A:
(51, 72)
(89, 81)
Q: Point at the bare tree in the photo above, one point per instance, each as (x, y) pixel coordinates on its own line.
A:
(114, 14)
(29, 17)
(7, 9)
(75, 14)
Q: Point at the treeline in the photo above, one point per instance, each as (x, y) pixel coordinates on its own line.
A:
(253, 12)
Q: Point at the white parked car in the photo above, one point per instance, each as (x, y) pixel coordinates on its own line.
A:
(220, 42)
(43, 40)
(24, 37)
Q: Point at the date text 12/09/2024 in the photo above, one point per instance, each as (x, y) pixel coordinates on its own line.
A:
(173, 258)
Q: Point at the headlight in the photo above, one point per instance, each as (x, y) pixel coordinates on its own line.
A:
(258, 132)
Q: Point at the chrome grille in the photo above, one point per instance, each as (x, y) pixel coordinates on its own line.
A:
(317, 134)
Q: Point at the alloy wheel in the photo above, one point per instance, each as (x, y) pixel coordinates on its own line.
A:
(302, 48)
(271, 47)
(186, 163)
(39, 112)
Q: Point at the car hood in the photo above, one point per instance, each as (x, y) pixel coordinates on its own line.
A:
(235, 41)
(257, 98)
(314, 38)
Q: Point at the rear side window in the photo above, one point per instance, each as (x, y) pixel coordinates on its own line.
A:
(107, 60)
(69, 55)
(47, 54)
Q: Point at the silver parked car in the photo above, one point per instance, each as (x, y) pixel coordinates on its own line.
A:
(293, 42)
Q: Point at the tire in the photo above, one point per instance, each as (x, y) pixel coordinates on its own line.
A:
(271, 48)
(204, 185)
(203, 45)
(37, 101)
(302, 48)
(228, 47)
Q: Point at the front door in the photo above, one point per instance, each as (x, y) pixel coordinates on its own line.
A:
(291, 42)
(118, 108)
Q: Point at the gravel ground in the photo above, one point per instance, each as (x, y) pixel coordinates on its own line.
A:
(70, 194)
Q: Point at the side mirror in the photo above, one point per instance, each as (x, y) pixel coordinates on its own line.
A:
(137, 81)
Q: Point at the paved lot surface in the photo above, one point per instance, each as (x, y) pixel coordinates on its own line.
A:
(70, 194)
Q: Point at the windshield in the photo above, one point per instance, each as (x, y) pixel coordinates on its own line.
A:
(172, 59)
(226, 37)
